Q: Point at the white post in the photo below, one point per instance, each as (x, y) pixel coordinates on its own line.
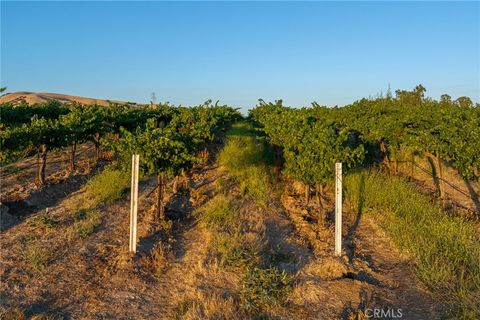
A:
(134, 204)
(338, 208)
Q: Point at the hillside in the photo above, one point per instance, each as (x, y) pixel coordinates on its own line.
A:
(39, 97)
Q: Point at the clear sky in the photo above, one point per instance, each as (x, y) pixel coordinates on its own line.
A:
(238, 52)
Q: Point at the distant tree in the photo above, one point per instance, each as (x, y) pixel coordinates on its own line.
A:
(464, 102)
(445, 99)
(420, 91)
(415, 97)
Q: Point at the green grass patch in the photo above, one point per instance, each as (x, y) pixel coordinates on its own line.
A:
(262, 288)
(109, 185)
(446, 249)
(245, 158)
(218, 212)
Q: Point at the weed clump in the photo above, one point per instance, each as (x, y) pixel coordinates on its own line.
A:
(234, 250)
(108, 186)
(218, 212)
(157, 261)
(85, 223)
(262, 288)
(36, 255)
(43, 222)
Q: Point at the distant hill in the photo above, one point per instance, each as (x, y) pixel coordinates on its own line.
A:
(34, 97)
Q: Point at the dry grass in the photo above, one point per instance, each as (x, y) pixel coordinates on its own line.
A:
(210, 292)
(326, 268)
(13, 314)
(204, 305)
(157, 261)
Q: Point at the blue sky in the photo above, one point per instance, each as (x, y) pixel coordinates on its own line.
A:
(238, 52)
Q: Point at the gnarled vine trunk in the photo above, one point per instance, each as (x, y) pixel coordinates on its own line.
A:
(96, 141)
(175, 184)
(41, 163)
(160, 212)
(437, 172)
(72, 157)
(277, 157)
(384, 151)
(319, 194)
(185, 179)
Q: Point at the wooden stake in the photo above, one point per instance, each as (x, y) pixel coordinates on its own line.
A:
(338, 209)
(134, 204)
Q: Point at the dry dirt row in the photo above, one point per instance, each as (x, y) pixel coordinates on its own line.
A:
(372, 274)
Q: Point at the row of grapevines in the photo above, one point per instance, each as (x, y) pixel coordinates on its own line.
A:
(49, 126)
(444, 130)
(166, 149)
(311, 142)
(312, 139)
